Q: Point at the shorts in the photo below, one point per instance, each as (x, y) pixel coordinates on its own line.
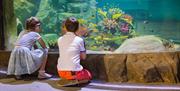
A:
(75, 75)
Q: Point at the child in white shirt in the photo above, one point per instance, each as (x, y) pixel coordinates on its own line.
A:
(71, 51)
(23, 59)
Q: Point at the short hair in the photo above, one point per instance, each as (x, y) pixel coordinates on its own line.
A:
(32, 22)
(71, 24)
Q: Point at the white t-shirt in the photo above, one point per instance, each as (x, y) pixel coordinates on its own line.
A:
(27, 39)
(70, 47)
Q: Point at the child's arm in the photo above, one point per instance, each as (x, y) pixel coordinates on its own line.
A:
(83, 51)
(83, 55)
(35, 46)
(42, 43)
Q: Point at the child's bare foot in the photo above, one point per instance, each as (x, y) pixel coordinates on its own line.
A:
(43, 75)
(18, 77)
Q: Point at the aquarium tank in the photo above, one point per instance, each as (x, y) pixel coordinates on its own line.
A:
(119, 26)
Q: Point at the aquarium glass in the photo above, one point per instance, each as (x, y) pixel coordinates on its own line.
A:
(112, 25)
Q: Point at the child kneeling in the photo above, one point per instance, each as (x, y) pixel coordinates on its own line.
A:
(71, 51)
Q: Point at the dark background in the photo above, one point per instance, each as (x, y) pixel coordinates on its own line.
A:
(2, 41)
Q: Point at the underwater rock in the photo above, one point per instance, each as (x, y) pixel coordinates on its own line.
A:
(26, 8)
(78, 7)
(53, 12)
(149, 43)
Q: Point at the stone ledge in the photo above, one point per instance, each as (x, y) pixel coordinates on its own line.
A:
(162, 67)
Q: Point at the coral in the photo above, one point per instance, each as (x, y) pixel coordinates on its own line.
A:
(112, 28)
(107, 28)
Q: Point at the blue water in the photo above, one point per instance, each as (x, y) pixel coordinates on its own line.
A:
(146, 9)
(149, 17)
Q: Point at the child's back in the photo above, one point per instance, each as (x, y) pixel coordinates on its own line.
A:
(70, 47)
(28, 39)
(72, 50)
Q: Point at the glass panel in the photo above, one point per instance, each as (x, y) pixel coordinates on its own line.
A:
(113, 25)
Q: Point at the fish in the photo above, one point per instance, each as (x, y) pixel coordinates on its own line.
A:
(101, 12)
(98, 38)
(123, 37)
(116, 16)
(128, 21)
(146, 22)
(92, 25)
(92, 17)
(95, 30)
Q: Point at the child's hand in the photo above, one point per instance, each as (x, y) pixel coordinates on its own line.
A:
(35, 46)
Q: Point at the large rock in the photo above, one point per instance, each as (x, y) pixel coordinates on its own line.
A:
(149, 43)
(153, 67)
(115, 66)
(161, 67)
(95, 64)
(135, 68)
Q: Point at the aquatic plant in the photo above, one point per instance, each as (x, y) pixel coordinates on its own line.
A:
(111, 28)
(127, 18)
(50, 40)
(116, 26)
(116, 21)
